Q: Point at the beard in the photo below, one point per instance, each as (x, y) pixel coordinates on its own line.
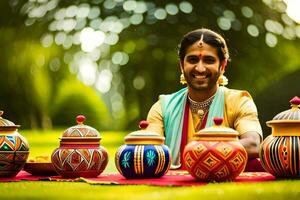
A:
(205, 84)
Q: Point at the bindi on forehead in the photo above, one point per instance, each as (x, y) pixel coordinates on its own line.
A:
(206, 49)
(204, 55)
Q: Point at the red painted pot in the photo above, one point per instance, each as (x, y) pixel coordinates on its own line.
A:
(215, 154)
(80, 153)
(14, 148)
(280, 151)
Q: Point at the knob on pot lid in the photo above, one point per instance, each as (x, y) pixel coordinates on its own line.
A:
(291, 114)
(144, 136)
(217, 130)
(81, 130)
(4, 123)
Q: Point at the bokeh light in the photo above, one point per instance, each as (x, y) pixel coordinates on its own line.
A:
(293, 9)
(186, 7)
(91, 39)
(247, 12)
(224, 23)
(252, 30)
(271, 40)
(172, 9)
(103, 83)
(139, 82)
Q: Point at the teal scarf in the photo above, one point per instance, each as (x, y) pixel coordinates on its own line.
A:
(173, 114)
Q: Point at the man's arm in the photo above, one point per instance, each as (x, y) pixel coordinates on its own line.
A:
(247, 123)
(251, 142)
(155, 119)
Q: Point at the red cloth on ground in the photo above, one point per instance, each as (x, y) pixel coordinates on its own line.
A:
(254, 165)
(22, 175)
(172, 178)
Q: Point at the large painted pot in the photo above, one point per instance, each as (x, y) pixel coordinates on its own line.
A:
(143, 155)
(215, 154)
(80, 153)
(14, 148)
(280, 151)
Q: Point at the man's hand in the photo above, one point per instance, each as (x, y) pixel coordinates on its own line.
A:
(251, 142)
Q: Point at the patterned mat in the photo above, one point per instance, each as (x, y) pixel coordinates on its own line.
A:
(172, 178)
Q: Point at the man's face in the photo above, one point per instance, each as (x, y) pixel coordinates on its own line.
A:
(201, 67)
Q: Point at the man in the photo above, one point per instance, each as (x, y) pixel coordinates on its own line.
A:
(203, 58)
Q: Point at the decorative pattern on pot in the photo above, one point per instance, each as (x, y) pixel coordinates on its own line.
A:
(280, 151)
(215, 154)
(14, 148)
(80, 153)
(143, 155)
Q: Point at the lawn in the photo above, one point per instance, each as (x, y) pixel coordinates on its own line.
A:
(43, 143)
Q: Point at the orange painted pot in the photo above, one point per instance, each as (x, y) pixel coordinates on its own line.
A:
(280, 151)
(14, 148)
(215, 154)
(80, 153)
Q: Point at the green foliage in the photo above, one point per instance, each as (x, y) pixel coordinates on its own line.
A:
(276, 97)
(254, 65)
(74, 98)
(262, 39)
(26, 84)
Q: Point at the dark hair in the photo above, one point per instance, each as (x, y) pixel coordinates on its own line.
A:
(209, 37)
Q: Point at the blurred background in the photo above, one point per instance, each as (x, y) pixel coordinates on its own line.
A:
(110, 59)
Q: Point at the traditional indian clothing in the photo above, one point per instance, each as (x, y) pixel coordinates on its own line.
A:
(171, 116)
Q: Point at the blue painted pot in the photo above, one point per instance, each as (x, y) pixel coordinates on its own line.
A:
(143, 155)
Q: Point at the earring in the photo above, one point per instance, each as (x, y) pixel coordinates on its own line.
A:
(182, 79)
(222, 80)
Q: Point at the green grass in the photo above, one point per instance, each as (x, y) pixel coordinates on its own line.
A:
(43, 143)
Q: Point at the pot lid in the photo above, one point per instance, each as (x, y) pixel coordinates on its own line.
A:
(4, 123)
(81, 130)
(217, 130)
(291, 114)
(144, 136)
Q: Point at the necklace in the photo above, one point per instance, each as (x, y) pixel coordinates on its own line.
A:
(202, 107)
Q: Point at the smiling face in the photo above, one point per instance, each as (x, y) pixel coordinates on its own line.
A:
(201, 67)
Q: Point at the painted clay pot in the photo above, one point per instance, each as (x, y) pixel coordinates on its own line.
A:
(80, 153)
(280, 151)
(215, 154)
(14, 148)
(143, 155)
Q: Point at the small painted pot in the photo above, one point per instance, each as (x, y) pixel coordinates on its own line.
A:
(215, 154)
(14, 148)
(280, 151)
(80, 153)
(143, 155)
